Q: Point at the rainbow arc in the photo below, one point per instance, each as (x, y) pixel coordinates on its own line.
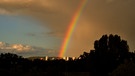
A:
(71, 27)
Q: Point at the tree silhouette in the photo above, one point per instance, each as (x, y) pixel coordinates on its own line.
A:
(112, 44)
(110, 51)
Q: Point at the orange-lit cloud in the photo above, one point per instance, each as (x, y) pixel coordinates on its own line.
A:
(99, 17)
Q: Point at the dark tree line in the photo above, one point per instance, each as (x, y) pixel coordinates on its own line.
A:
(110, 57)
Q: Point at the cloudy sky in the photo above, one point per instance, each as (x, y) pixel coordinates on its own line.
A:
(42, 24)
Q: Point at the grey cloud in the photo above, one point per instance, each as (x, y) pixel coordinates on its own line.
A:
(57, 14)
(31, 34)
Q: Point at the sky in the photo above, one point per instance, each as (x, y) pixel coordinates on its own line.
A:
(39, 27)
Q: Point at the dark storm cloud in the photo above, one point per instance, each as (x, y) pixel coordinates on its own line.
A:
(115, 16)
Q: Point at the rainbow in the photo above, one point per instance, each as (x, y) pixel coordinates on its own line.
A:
(71, 27)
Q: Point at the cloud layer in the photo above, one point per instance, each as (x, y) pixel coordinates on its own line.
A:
(25, 50)
(99, 17)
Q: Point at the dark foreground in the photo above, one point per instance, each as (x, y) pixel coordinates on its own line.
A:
(110, 57)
